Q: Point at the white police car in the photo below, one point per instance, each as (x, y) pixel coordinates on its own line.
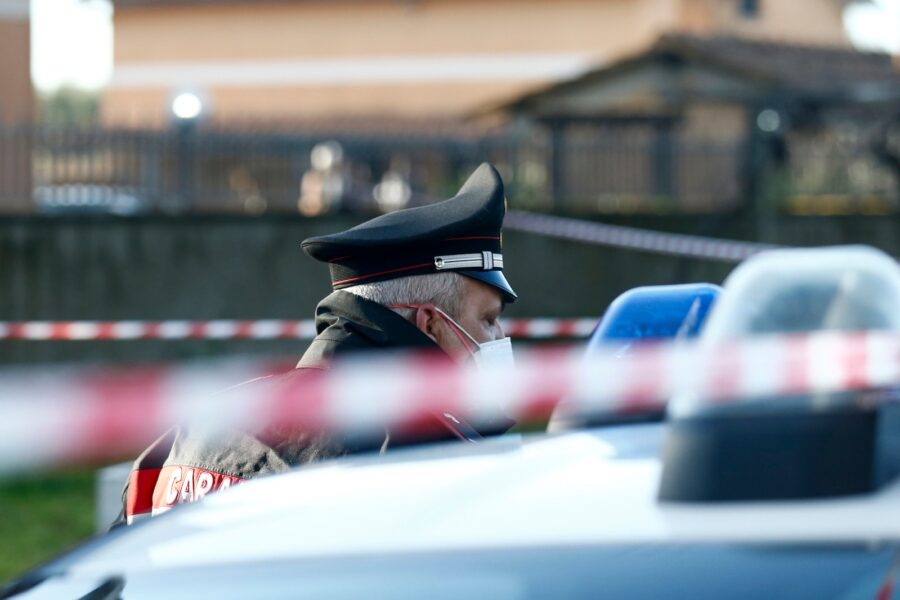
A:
(798, 500)
(574, 516)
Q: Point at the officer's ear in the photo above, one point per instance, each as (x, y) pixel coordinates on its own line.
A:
(427, 320)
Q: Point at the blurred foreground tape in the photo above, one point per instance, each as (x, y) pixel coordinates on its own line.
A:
(267, 329)
(50, 416)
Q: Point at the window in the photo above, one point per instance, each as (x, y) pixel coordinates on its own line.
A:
(749, 8)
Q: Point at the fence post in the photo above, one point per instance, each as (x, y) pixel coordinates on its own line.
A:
(558, 162)
(886, 154)
(16, 181)
(187, 163)
(765, 163)
(663, 154)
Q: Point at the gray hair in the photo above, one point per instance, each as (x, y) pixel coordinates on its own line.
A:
(444, 290)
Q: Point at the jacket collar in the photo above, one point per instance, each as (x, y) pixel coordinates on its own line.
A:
(346, 323)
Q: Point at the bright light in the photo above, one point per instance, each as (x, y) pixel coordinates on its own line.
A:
(768, 120)
(187, 106)
(326, 155)
(874, 25)
(71, 43)
(392, 193)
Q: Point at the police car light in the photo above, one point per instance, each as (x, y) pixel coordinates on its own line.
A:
(843, 288)
(650, 313)
(655, 312)
(797, 445)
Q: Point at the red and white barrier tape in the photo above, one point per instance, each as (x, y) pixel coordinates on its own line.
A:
(534, 329)
(631, 238)
(52, 416)
(167, 330)
(230, 330)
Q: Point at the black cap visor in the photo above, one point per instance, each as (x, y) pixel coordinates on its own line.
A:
(494, 279)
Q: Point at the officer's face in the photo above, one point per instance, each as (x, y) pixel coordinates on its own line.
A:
(479, 315)
(480, 310)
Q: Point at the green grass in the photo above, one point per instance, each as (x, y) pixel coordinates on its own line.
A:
(43, 515)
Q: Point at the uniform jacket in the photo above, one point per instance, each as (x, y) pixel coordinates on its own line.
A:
(184, 465)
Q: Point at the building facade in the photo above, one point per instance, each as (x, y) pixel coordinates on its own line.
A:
(16, 104)
(16, 94)
(312, 60)
(714, 123)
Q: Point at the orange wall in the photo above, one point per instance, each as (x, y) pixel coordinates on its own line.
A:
(16, 94)
(16, 106)
(802, 21)
(143, 106)
(384, 27)
(369, 30)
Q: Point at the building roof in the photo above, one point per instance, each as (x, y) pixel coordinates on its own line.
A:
(791, 64)
(815, 72)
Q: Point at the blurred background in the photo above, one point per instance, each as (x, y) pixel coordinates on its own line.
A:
(163, 159)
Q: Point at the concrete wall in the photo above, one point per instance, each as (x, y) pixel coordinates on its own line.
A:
(254, 268)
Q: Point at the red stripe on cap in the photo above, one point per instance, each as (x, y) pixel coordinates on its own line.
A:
(388, 272)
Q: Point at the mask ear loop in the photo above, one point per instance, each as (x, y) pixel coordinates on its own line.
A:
(464, 337)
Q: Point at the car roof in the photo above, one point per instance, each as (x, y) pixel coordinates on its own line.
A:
(585, 488)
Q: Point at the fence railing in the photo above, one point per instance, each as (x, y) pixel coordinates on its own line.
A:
(182, 170)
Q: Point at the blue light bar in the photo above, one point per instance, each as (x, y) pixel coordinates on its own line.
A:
(656, 312)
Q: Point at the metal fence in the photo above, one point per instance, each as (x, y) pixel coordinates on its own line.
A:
(183, 170)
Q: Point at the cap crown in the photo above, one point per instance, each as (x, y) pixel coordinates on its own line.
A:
(460, 234)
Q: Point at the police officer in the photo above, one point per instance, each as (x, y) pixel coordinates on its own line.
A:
(416, 278)
(423, 278)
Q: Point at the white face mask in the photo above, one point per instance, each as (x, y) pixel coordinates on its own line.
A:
(493, 354)
(496, 353)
